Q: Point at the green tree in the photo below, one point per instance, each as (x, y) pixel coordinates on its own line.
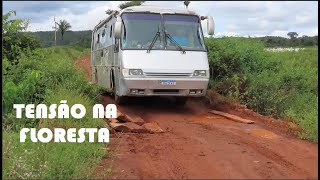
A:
(28, 41)
(125, 5)
(63, 26)
(15, 41)
(109, 11)
(130, 3)
(186, 3)
(292, 35)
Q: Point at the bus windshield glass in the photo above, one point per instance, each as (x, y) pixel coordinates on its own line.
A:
(140, 29)
(184, 30)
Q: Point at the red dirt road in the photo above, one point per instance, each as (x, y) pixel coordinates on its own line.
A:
(197, 144)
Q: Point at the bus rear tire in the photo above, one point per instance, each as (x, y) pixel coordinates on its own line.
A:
(181, 100)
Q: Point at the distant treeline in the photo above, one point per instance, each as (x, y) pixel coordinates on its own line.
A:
(276, 41)
(79, 38)
(83, 39)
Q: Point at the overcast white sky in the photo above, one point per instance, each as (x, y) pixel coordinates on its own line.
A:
(236, 18)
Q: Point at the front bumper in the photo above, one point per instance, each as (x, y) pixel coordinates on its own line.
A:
(153, 87)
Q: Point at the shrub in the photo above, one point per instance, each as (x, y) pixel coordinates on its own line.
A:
(282, 84)
(15, 42)
(48, 76)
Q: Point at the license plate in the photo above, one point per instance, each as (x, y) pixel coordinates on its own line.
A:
(168, 82)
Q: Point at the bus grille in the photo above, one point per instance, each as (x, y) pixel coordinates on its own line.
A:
(152, 74)
(166, 91)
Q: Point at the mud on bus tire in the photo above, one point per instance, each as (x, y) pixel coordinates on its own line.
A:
(119, 100)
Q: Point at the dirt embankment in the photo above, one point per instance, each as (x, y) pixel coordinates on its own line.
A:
(84, 64)
(197, 144)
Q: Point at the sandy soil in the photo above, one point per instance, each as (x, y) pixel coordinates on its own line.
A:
(197, 144)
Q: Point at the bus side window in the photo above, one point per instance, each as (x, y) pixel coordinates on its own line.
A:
(98, 40)
(111, 31)
(92, 43)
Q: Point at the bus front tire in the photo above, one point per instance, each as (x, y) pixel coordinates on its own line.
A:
(120, 100)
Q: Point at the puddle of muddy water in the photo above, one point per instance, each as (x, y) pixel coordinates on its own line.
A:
(209, 118)
(263, 133)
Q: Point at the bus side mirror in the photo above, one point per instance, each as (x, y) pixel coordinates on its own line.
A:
(210, 25)
(117, 29)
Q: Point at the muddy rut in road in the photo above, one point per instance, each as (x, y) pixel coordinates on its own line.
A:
(197, 144)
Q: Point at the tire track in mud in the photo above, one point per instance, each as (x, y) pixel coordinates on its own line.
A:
(262, 149)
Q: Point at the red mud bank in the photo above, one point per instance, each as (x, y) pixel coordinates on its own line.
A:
(83, 63)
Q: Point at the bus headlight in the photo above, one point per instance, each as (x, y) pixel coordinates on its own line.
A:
(125, 72)
(135, 72)
(200, 73)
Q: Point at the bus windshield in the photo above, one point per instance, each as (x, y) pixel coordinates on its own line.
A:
(140, 29)
(185, 30)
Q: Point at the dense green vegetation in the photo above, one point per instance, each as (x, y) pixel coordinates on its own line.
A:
(33, 76)
(282, 84)
(78, 38)
(83, 39)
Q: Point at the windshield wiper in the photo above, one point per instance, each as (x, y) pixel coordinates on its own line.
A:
(153, 41)
(175, 43)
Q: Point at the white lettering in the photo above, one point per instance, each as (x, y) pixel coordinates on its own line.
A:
(45, 135)
(18, 108)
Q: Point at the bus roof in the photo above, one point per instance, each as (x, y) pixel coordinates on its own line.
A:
(148, 9)
(157, 9)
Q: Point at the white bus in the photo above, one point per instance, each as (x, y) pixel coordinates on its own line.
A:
(151, 51)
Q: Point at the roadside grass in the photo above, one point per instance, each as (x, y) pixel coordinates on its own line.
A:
(281, 84)
(48, 161)
(299, 79)
(56, 79)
